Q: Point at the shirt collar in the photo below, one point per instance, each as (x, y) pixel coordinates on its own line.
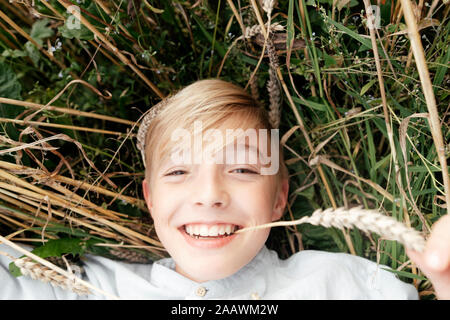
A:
(245, 283)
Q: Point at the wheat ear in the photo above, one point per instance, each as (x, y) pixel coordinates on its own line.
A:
(256, 29)
(365, 220)
(254, 88)
(72, 277)
(273, 86)
(267, 6)
(28, 267)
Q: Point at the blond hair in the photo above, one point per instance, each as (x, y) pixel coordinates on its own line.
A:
(215, 102)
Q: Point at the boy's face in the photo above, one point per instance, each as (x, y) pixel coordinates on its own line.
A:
(195, 206)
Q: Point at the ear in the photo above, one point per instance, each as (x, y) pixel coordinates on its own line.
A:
(146, 191)
(281, 200)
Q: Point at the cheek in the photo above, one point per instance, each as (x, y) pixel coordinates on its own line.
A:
(160, 209)
(257, 201)
(266, 194)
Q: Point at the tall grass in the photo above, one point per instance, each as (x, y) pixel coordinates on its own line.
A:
(352, 100)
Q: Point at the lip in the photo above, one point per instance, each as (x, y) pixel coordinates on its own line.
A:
(213, 243)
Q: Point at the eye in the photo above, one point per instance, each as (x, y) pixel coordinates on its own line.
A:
(176, 173)
(244, 170)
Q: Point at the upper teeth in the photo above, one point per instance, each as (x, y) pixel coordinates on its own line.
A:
(209, 230)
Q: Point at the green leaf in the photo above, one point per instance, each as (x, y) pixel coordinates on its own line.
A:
(405, 274)
(40, 31)
(128, 209)
(14, 270)
(10, 88)
(307, 193)
(56, 248)
(70, 31)
(155, 10)
(217, 45)
(351, 33)
(367, 86)
(290, 24)
(382, 163)
(442, 69)
(329, 60)
(33, 52)
(311, 104)
(14, 53)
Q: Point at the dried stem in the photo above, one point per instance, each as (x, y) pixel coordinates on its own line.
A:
(38, 175)
(63, 126)
(237, 15)
(57, 200)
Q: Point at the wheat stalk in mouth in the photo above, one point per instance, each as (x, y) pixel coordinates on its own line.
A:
(365, 220)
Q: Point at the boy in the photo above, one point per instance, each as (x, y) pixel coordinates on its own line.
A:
(199, 193)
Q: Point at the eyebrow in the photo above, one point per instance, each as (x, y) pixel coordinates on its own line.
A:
(244, 147)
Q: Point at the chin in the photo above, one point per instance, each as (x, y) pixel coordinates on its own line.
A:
(214, 267)
(210, 272)
(206, 264)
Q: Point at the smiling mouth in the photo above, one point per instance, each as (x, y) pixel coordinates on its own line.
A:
(209, 232)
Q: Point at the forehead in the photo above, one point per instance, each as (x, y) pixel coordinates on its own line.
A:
(159, 150)
(225, 146)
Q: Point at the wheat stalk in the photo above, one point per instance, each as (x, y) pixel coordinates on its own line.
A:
(365, 220)
(28, 267)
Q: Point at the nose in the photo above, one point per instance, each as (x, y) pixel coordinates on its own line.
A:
(209, 189)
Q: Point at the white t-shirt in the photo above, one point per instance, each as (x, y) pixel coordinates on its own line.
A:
(307, 274)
